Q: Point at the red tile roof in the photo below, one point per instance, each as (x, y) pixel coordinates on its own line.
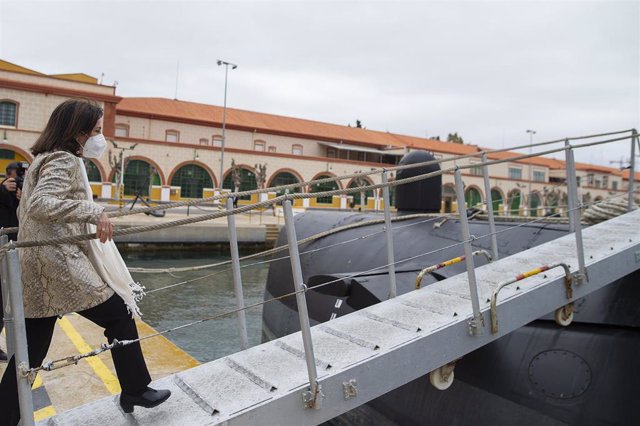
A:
(169, 109)
(625, 175)
(211, 115)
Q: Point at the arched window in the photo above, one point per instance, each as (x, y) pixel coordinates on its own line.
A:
(8, 113)
(356, 195)
(534, 203)
(285, 178)
(138, 177)
(496, 200)
(93, 173)
(551, 202)
(514, 202)
(472, 197)
(321, 187)
(192, 179)
(247, 182)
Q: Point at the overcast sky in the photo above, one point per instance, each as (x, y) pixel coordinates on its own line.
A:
(487, 70)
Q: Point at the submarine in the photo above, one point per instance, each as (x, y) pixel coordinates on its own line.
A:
(541, 374)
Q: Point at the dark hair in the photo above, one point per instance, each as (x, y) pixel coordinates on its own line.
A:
(70, 119)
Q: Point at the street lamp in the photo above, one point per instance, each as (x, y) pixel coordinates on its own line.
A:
(529, 198)
(224, 113)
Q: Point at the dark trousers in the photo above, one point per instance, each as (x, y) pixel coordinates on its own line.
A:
(112, 315)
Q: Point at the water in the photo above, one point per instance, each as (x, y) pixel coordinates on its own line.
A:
(203, 298)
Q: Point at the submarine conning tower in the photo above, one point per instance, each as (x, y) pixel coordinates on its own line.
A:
(421, 196)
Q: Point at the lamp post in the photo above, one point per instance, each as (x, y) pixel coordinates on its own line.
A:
(224, 113)
(531, 133)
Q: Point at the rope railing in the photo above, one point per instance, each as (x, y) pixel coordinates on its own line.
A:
(300, 242)
(72, 360)
(220, 214)
(267, 261)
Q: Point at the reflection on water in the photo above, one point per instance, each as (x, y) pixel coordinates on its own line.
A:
(193, 301)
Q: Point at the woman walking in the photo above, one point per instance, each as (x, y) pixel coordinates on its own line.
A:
(87, 277)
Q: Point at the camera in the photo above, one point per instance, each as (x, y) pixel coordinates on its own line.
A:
(21, 168)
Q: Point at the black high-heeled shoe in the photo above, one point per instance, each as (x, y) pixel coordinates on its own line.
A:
(148, 398)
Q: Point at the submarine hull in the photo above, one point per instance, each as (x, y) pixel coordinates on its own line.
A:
(541, 374)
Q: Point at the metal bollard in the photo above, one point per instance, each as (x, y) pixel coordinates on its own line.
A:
(313, 397)
(488, 198)
(11, 267)
(237, 277)
(632, 169)
(574, 213)
(389, 236)
(8, 317)
(476, 324)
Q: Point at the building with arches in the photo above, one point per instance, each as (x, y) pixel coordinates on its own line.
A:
(178, 145)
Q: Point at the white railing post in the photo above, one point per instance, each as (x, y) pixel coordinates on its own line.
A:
(389, 236)
(11, 276)
(632, 169)
(476, 324)
(489, 202)
(237, 277)
(6, 308)
(574, 213)
(313, 397)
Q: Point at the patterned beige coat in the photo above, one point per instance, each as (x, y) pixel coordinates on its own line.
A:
(57, 279)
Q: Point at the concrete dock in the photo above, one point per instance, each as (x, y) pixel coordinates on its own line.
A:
(254, 228)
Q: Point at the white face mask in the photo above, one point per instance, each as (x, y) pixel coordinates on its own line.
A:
(95, 146)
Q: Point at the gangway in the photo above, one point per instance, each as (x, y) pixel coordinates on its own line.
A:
(370, 352)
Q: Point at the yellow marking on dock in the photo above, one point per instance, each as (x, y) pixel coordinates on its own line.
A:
(101, 370)
(162, 354)
(37, 382)
(43, 413)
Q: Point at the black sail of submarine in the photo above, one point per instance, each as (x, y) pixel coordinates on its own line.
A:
(542, 374)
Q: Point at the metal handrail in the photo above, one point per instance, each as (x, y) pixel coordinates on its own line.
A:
(449, 262)
(520, 277)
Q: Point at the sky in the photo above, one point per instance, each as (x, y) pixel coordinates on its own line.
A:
(486, 70)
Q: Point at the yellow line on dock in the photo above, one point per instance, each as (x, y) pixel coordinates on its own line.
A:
(43, 413)
(101, 370)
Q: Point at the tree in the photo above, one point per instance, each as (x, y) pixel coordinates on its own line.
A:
(454, 138)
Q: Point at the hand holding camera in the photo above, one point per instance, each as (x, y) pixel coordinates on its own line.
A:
(10, 184)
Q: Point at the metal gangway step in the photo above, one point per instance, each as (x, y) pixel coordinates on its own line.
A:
(370, 352)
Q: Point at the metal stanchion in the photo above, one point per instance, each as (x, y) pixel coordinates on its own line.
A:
(6, 308)
(632, 169)
(389, 236)
(476, 324)
(13, 278)
(237, 277)
(313, 397)
(571, 201)
(574, 213)
(489, 202)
